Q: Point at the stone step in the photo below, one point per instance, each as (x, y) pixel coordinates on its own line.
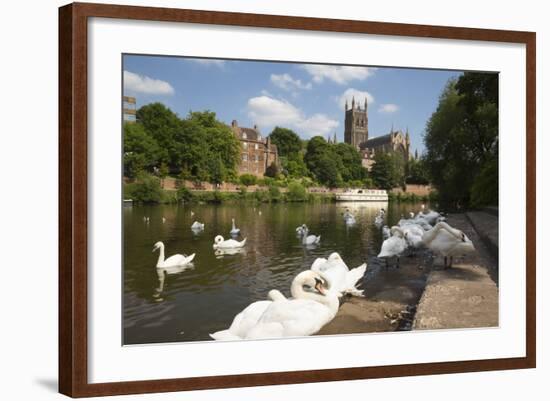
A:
(486, 226)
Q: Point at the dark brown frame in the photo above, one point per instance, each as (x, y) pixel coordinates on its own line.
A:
(73, 198)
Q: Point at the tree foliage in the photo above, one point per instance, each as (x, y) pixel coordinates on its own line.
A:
(387, 171)
(462, 139)
(287, 141)
(199, 146)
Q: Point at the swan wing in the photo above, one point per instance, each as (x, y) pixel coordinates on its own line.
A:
(353, 276)
(243, 322)
(319, 265)
(174, 260)
(295, 317)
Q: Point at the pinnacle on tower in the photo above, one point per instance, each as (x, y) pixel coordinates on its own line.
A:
(366, 104)
(346, 104)
(353, 102)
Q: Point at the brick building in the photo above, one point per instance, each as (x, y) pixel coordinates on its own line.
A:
(257, 153)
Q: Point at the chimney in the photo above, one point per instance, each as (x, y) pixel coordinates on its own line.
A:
(234, 123)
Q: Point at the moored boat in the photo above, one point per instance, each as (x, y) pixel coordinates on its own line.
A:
(362, 195)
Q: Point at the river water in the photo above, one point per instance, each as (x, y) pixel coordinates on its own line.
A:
(205, 297)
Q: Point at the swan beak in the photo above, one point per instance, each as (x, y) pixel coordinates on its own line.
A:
(319, 287)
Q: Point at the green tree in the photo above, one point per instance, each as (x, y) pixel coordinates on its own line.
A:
(141, 152)
(287, 141)
(351, 168)
(462, 138)
(162, 124)
(418, 172)
(385, 171)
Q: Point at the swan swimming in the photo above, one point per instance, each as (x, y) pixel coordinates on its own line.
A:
(342, 280)
(173, 261)
(300, 230)
(220, 243)
(196, 226)
(447, 241)
(309, 239)
(311, 307)
(394, 245)
(234, 230)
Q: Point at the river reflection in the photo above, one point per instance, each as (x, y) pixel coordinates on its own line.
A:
(187, 305)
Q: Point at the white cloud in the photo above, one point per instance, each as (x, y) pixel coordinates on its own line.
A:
(388, 108)
(208, 62)
(339, 74)
(359, 96)
(144, 84)
(267, 112)
(286, 82)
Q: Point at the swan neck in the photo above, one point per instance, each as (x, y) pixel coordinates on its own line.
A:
(161, 254)
(330, 300)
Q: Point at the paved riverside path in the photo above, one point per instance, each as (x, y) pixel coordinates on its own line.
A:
(465, 295)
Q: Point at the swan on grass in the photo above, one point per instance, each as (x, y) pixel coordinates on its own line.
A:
(394, 245)
(234, 230)
(173, 261)
(309, 239)
(447, 241)
(220, 243)
(311, 307)
(342, 280)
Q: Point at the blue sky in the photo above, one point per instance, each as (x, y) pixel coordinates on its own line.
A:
(308, 98)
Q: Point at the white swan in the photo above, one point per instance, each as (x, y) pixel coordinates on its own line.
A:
(431, 217)
(379, 220)
(349, 218)
(196, 226)
(311, 307)
(220, 243)
(309, 239)
(234, 230)
(173, 261)
(393, 246)
(386, 232)
(342, 280)
(413, 234)
(300, 230)
(447, 241)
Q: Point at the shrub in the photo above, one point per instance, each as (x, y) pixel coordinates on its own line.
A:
(296, 192)
(217, 197)
(484, 190)
(248, 179)
(184, 194)
(274, 193)
(146, 189)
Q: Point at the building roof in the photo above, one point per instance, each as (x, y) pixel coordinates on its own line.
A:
(377, 141)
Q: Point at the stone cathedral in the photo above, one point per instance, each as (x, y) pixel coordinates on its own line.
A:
(356, 133)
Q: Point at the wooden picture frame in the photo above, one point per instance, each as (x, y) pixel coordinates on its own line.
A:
(73, 195)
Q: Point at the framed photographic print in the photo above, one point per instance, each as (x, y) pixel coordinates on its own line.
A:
(281, 200)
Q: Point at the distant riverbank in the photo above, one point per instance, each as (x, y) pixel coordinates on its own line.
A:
(267, 195)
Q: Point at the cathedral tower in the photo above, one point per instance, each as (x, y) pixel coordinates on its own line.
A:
(356, 129)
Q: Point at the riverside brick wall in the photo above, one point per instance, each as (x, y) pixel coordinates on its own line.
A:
(419, 190)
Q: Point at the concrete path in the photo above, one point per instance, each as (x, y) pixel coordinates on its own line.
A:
(465, 295)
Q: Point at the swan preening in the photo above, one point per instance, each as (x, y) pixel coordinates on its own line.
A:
(173, 261)
(447, 241)
(311, 307)
(196, 226)
(309, 239)
(220, 243)
(342, 280)
(418, 232)
(395, 245)
(234, 230)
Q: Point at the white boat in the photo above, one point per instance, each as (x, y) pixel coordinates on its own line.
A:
(362, 195)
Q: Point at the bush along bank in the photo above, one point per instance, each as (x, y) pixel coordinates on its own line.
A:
(149, 191)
